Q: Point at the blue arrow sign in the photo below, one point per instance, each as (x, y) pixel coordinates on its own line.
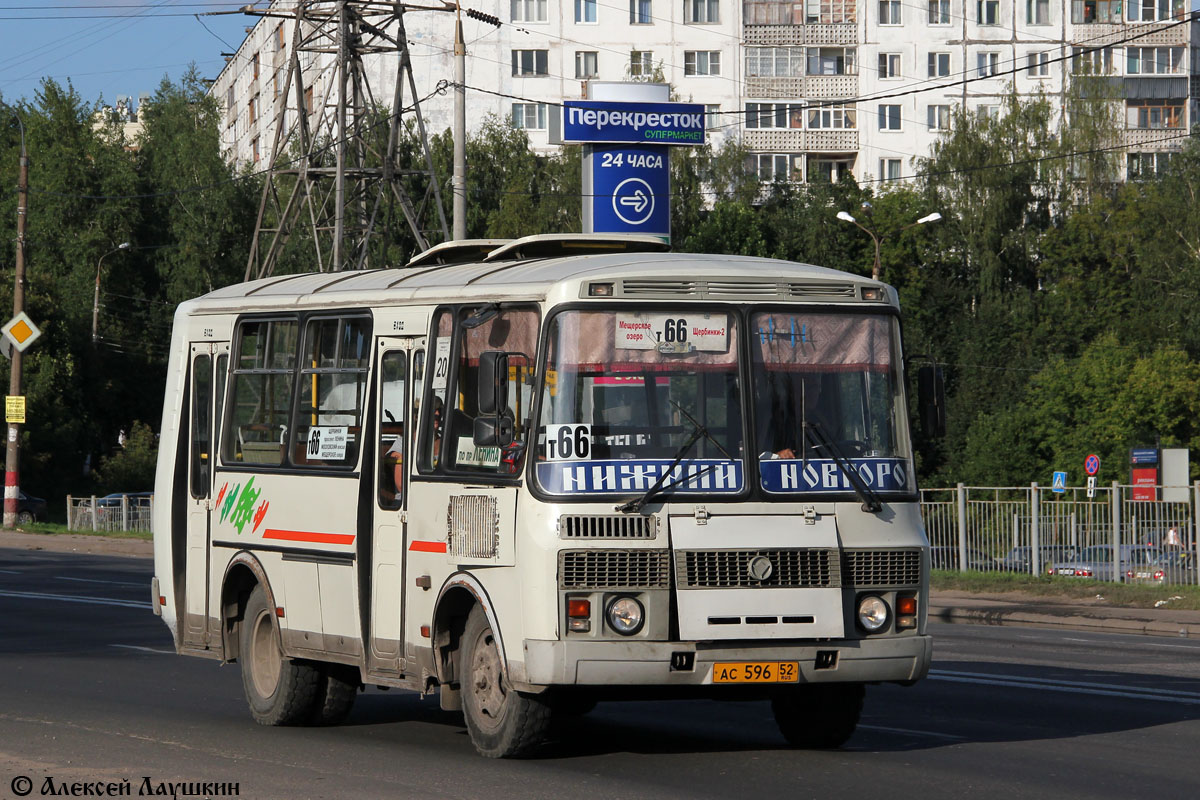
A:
(631, 186)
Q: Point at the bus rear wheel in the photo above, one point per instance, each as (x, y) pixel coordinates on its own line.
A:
(501, 721)
(819, 717)
(278, 690)
(336, 691)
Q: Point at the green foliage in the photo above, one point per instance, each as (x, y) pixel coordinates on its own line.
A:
(130, 468)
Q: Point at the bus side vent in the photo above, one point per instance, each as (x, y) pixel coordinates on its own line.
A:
(473, 526)
(864, 568)
(614, 569)
(718, 288)
(775, 569)
(606, 526)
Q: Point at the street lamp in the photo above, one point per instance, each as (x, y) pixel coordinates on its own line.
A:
(96, 297)
(875, 270)
(12, 452)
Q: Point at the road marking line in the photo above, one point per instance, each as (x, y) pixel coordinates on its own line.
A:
(66, 598)
(143, 649)
(1071, 687)
(911, 732)
(95, 580)
(9, 572)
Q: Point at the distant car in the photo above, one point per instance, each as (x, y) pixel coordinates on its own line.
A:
(114, 499)
(30, 509)
(1139, 564)
(1179, 565)
(1020, 559)
(947, 558)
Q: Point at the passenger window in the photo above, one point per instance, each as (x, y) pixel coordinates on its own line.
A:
(333, 379)
(255, 431)
(439, 382)
(201, 425)
(392, 419)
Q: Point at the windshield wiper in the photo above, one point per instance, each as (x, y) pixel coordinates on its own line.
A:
(658, 487)
(870, 500)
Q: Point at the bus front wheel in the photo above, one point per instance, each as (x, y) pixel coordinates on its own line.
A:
(279, 691)
(821, 716)
(502, 722)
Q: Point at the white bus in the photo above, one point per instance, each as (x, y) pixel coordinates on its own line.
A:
(538, 474)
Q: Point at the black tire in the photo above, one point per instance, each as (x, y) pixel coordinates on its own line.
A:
(501, 721)
(278, 690)
(336, 690)
(819, 717)
(25, 517)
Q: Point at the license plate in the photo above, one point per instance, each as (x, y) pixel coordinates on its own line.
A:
(1066, 572)
(756, 672)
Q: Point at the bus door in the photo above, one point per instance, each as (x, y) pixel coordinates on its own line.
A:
(209, 366)
(400, 367)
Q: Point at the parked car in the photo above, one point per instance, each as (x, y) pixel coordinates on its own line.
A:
(1178, 565)
(1020, 559)
(114, 499)
(30, 509)
(947, 558)
(1139, 564)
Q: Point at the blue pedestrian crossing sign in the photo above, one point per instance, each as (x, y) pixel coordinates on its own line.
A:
(1060, 482)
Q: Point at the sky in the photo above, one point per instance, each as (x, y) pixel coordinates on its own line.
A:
(107, 48)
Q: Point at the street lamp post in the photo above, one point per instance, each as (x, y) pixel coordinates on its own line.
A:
(877, 239)
(12, 453)
(96, 297)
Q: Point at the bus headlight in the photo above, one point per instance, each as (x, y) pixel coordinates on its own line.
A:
(625, 615)
(873, 613)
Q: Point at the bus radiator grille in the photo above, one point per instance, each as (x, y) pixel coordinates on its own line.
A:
(606, 526)
(614, 569)
(731, 569)
(878, 568)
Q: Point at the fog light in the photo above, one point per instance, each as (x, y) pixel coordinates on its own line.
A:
(873, 613)
(579, 625)
(625, 616)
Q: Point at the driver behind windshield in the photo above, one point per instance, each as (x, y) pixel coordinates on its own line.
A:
(785, 404)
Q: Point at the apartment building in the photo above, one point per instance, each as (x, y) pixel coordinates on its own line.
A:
(812, 87)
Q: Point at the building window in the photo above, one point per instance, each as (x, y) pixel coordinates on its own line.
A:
(230, 111)
(988, 12)
(889, 65)
(778, 167)
(1153, 114)
(889, 117)
(639, 12)
(774, 62)
(938, 117)
(774, 115)
(988, 64)
(838, 117)
(1038, 65)
(1089, 61)
(585, 10)
(987, 112)
(253, 109)
(702, 62)
(528, 10)
(939, 65)
(1085, 12)
(889, 12)
(1155, 10)
(702, 11)
(587, 64)
(254, 149)
(889, 169)
(254, 65)
(527, 63)
(641, 64)
(713, 117)
(816, 12)
(939, 12)
(1142, 166)
(1153, 60)
(1037, 12)
(308, 100)
(279, 40)
(275, 82)
(831, 61)
(529, 116)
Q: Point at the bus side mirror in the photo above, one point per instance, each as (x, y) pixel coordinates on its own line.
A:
(931, 400)
(496, 430)
(493, 382)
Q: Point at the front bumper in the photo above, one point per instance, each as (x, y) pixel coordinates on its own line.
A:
(629, 663)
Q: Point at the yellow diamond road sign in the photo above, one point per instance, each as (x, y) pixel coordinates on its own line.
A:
(21, 331)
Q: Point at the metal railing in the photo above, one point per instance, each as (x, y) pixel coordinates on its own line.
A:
(1028, 528)
(109, 514)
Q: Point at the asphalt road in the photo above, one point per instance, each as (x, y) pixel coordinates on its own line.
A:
(91, 692)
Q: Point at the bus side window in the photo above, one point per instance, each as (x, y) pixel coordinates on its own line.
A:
(393, 369)
(201, 425)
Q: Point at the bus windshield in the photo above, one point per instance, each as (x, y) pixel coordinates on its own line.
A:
(635, 398)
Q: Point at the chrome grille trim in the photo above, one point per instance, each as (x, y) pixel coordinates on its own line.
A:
(878, 568)
(734, 288)
(607, 526)
(614, 569)
(729, 569)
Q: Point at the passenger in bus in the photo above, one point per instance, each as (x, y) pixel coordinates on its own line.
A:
(391, 469)
(794, 399)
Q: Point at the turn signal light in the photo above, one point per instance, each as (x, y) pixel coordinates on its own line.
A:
(579, 608)
(906, 605)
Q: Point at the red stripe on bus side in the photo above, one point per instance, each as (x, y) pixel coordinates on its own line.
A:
(309, 536)
(428, 547)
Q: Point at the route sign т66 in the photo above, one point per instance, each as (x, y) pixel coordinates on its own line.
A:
(630, 189)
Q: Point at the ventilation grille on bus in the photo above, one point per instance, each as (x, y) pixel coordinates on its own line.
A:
(614, 569)
(735, 288)
(585, 526)
(473, 527)
(743, 569)
(882, 567)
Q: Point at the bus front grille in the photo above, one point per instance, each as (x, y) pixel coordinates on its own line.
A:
(751, 569)
(606, 526)
(864, 568)
(613, 569)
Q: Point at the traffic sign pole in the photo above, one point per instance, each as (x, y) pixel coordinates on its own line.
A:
(12, 454)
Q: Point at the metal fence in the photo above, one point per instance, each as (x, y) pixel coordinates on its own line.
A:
(1029, 528)
(108, 514)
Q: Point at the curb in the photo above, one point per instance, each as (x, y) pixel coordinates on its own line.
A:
(965, 615)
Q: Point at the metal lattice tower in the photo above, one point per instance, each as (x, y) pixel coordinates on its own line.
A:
(331, 170)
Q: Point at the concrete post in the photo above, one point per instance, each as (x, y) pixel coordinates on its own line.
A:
(961, 496)
(1035, 551)
(1116, 530)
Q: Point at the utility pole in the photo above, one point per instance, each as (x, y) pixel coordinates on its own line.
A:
(459, 181)
(12, 460)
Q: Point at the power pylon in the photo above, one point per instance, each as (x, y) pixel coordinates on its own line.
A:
(331, 172)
